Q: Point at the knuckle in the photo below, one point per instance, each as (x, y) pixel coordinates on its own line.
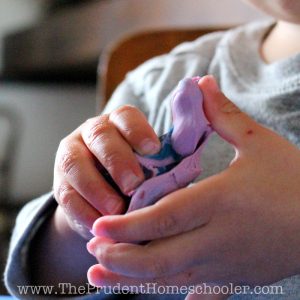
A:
(68, 160)
(166, 224)
(96, 130)
(124, 110)
(130, 133)
(111, 159)
(128, 120)
(64, 195)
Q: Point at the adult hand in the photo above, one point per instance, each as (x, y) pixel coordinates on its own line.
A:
(102, 143)
(240, 226)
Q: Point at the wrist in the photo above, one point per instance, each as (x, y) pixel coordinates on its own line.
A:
(56, 247)
(63, 227)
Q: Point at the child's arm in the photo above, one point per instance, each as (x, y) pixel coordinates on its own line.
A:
(57, 253)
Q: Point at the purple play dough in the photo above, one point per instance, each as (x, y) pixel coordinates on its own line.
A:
(189, 120)
(190, 132)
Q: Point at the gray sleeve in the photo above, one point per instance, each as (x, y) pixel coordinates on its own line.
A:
(133, 87)
(27, 224)
(150, 86)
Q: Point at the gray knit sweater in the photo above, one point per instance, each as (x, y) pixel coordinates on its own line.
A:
(270, 93)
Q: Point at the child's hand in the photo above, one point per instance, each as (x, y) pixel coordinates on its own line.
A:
(105, 142)
(239, 226)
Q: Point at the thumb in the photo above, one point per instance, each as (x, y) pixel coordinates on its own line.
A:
(225, 117)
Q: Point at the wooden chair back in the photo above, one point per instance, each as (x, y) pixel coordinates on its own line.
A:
(130, 51)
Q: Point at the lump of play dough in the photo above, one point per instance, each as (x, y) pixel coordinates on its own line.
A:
(178, 162)
(189, 121)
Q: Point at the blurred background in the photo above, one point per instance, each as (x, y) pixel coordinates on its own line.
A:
(49, 51)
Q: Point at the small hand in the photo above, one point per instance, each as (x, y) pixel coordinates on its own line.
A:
(240, 226)
(102, 144)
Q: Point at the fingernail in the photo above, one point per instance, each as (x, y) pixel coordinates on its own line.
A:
(113, 206)
(91, 247)
(129, 181)
(96, 230)
(149, 147)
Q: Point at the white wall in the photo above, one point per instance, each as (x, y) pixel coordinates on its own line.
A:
(15, 14)
(199, 12)
(47, 114)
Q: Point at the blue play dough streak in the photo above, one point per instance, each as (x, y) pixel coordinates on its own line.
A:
(166, 151)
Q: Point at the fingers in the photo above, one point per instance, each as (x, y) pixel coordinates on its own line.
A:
(157, 259)
(132, 260)
(75, 164)
(181, 211)
(108, 141)
(79, 213)
(201, 249)
(135, 129)
(113, 152)
(226, 118)
(100, 276)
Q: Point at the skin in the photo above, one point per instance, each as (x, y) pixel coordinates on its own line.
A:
(283, 41)
(225, 217)
(282, 10)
